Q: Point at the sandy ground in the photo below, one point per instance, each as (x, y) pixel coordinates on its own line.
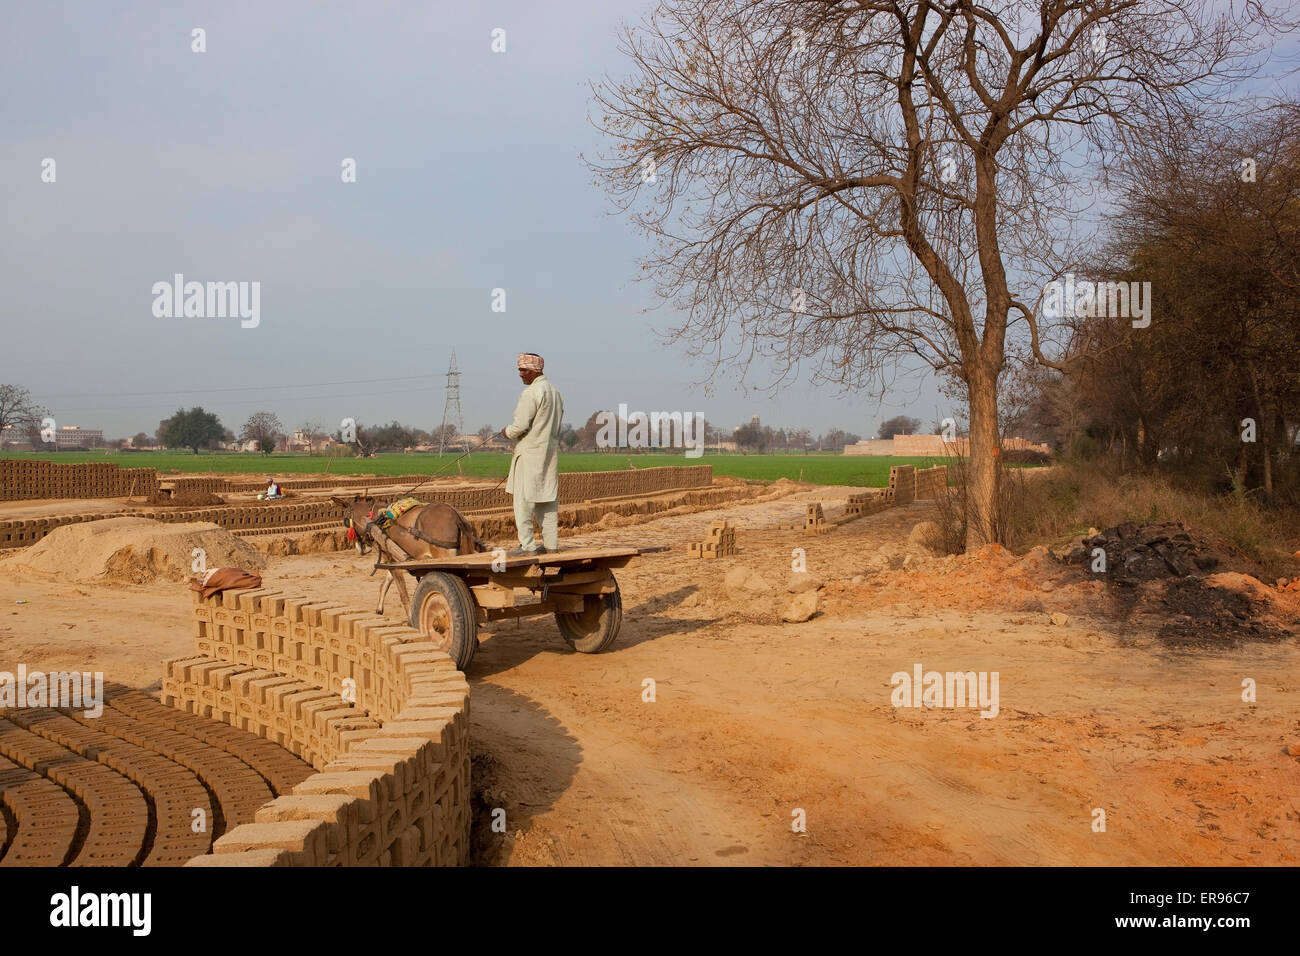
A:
(756, 723)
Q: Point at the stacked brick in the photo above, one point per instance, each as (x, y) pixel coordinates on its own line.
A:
(721, 542)
(930, 481)
(21, 533)
(209, 486)
(814, 521)
(902, 484)
(391, 745)
(866, 503)
(268, 518)
(574, 486)
(29, 478)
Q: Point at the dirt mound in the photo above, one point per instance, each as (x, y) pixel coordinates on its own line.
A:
(132, 551)
(1151, 552)
(1199, 590)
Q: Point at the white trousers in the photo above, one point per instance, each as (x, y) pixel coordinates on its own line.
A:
(549, 512)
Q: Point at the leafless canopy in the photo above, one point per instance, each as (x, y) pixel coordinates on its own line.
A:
(855, 183)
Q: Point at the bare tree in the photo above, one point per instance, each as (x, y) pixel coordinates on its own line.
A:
(845, 183)
(20, 414)
(312, 432)
(263, 428)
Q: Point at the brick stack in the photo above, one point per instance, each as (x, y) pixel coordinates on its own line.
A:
(270, 517)
(902, 484)
(721, 542)
(394, 782)
(574, 486)
(28, 478)
(866, 503)
(814, 521)
(930, 481)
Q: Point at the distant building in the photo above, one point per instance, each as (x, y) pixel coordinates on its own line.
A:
(65, 438)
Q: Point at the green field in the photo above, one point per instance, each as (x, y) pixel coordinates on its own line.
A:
(819, 468)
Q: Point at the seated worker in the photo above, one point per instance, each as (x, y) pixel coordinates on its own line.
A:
(272, 490)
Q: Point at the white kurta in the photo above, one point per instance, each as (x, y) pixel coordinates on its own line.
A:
(535, 469)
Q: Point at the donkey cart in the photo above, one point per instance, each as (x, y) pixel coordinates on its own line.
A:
(454, 595)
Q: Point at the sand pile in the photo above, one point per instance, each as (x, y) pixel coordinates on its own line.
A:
(133, 551)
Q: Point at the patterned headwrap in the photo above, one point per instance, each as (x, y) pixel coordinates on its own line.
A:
(530, 361)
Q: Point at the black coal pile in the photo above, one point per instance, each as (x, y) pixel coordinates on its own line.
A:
(1158, 572)
(1149, 552)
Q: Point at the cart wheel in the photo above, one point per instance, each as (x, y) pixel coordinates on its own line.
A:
(443, 610)
(596, 627)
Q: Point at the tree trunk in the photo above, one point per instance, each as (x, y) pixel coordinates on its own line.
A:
(984, 463)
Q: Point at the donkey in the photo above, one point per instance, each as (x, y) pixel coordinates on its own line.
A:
(434, 530)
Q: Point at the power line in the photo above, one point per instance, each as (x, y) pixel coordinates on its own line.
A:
(65, 410)
(243, 388)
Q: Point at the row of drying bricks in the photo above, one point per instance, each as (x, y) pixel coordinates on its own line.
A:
(277, 666)
(324, 643)
(393, 795)
(140, 784)
(22, 532)
(23, 479)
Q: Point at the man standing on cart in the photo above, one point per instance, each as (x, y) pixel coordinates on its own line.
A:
(534, 478)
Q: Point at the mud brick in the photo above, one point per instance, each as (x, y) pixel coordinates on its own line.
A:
(281, 631)
(250, 601)
(423, 652)
(313, 613)
(262, 688)
(306, 841)
(235, 629)
(419, 798)
(420, 747)
(292, 703)
(406, 847)
(432, 707)
(367, 786)
(338, 810)
(398, 772)
(241, 683)
(219, 677)
(268, 856)
(301, 670)
(311, 709)
(198, 673)
(178, 667)
(392, 821)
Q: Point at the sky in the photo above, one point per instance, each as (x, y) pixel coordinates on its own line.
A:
(226, 165)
